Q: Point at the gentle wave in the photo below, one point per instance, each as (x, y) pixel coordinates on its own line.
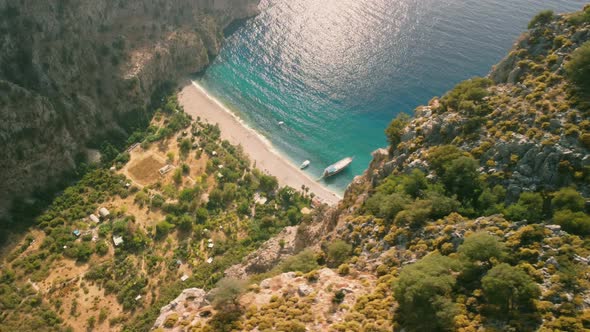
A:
(337, 71)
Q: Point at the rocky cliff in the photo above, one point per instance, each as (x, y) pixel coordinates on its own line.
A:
(76, 74)
(483, 190)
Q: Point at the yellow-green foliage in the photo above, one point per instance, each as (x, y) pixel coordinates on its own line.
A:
(283, 313)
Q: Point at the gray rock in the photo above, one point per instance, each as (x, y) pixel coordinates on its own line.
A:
(304, 290)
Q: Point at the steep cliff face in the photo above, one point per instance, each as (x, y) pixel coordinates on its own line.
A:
(74, 73)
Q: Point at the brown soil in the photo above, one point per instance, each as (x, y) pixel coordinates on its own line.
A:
(145, 171)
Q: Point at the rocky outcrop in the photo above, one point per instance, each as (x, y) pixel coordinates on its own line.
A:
(189, 303)
(189, 309)
(267, 256)
(74, 74)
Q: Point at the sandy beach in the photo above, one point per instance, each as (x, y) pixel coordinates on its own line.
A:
(196, 102)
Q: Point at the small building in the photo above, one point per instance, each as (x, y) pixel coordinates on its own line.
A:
(132, 147)
(214, 153)
(138, 297)
(117, 240)
(76, 232)
(209, 260)
(258, 199)
(165, 169)
(103, 212)
(184, 277)
(94, 218)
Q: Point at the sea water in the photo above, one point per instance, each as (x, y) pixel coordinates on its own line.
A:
(321, 79)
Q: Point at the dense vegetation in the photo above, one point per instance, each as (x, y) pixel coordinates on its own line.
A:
(229, 215)
(450, 229)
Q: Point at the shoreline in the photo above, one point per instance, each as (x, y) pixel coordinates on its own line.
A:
(198, 103)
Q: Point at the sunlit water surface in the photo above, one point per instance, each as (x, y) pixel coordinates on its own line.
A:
(337, 71)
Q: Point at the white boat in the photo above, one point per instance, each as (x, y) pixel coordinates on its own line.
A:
(304, 164)
(281, 123)
(337, 167)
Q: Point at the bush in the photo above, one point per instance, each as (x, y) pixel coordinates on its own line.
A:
(529, 207)
(423, 292)
(344, 269)
(578, 68)
(338, 252)
(509, 289)
(304, 261)
(568, 199)
(163, 228)
(573, 222)
(395, 129)
(461, 178)
(541, 18)
(227, 292)
(472, 90)
(481, 247)
(440, 156)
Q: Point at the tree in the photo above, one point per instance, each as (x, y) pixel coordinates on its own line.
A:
(201, 215)
(268, 183)
(461, 178)
(162, 228)
(185, 223)
(414, 183)
(227, 292)
(229, 192)
(573, 222)
(509, 288)
(440, 156)
(578, 68)
(215, 198)
(185, 147)
(304, 261)
(481, 247)
(568, 199)
(395, 129)
(529, 207)
(177, 176)
(423, 292)
(338, 251)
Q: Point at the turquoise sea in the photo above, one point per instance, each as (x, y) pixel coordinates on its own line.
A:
(337, 71)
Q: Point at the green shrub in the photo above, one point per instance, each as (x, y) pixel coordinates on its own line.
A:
(304, 261)
(578, 68)
(509, 289)
(338, 252)
(573, 222)
(568, 198)
(541, 18)
(423, 292)
(461, 178)
(482, 247)
(529, 207)
(395, 129)
(227, 292)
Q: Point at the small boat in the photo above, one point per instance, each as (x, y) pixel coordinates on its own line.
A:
(281, 123)
(304, 164)
(337, 167)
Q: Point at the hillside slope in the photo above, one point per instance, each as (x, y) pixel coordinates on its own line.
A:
(475, 218)
(74, 74)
